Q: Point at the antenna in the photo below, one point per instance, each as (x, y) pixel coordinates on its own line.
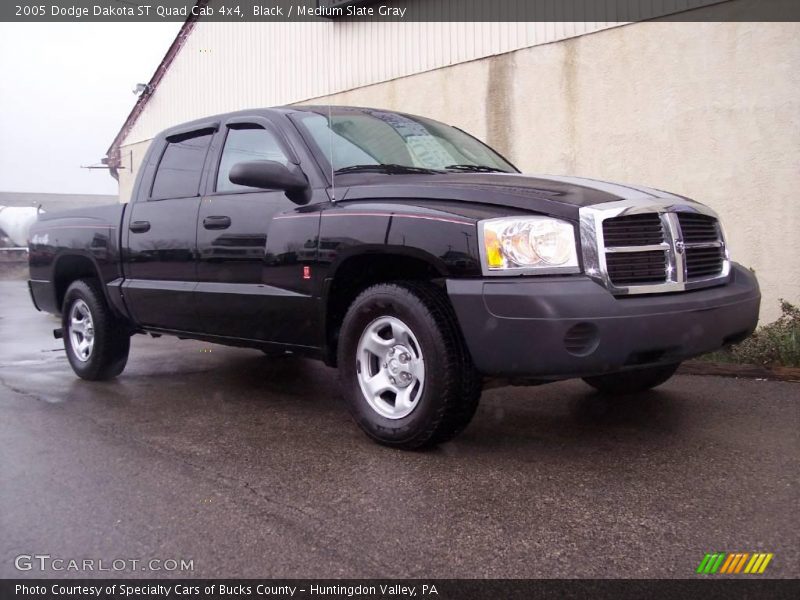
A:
(331, 87)
(330, 153)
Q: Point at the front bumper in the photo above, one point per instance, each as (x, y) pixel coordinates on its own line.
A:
(561, 327)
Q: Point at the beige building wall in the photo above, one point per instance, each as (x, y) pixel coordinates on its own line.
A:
(131, 158)
(226, 66)
(707, 110)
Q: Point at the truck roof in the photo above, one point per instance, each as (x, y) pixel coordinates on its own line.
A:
(322, 109)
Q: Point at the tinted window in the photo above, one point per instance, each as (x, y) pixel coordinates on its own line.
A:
(178, 174)
(245, 144)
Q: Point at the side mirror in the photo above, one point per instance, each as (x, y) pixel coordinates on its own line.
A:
(272, 175)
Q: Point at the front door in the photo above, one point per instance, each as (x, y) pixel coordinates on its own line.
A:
(233, 297)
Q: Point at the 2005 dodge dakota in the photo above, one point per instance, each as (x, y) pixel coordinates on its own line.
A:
(405, 252)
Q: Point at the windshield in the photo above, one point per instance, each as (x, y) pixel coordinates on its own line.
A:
(371, 140)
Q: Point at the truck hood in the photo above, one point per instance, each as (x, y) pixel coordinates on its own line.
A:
(547, 194)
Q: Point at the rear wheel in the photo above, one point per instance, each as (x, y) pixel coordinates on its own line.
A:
(405, 373)
(96, 342)
(629, 382)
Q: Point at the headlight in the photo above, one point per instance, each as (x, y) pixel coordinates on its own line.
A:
(534, 244)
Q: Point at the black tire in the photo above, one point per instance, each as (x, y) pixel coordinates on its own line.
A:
(111, 337)
(451, 390)
(630, 382)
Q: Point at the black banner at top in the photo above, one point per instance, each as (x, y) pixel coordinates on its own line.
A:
(398, 10)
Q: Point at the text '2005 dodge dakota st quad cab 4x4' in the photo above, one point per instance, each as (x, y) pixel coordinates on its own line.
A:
(403, 251)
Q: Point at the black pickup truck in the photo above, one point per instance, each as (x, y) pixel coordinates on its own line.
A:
(405, 252)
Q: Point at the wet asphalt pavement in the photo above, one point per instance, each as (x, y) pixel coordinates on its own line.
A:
(250, 466)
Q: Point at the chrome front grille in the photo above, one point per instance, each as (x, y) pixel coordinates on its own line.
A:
(703, 262)
(633, 230)
(627, 260)
(637, 268)
(646, 247)
(698, 228)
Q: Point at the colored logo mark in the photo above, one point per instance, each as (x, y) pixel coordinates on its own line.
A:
(733, 563)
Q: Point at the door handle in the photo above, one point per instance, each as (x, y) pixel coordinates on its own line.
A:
(139, 226)
(216, 222)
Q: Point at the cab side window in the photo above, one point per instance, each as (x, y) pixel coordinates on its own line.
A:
(178, 174)
(245, 143)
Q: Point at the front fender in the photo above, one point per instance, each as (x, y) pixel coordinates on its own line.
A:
(446, 242)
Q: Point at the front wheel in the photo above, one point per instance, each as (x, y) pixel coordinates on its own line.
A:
(406, 375)
(96, 342)
(629, 382)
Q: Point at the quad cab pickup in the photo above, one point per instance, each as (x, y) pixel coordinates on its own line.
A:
(404, 251)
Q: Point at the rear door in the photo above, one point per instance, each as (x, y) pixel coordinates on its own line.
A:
(160, 262)
(234, 297)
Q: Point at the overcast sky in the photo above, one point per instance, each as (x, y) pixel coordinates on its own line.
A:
(65, 90)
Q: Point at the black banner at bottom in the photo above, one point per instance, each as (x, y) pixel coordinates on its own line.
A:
(400, 589)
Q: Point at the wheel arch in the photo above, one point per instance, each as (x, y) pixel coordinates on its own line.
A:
(71, 266)
(360, 270)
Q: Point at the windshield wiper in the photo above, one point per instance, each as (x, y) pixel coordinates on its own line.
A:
(475, 169)
(390, 169)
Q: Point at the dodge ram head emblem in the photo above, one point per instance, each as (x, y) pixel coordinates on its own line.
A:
(679, 246)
